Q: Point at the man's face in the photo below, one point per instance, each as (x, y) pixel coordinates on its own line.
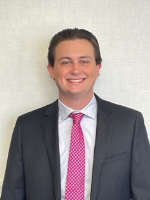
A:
(75, 69)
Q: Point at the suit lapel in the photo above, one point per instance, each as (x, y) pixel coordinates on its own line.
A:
(50, 131)
(103, 132)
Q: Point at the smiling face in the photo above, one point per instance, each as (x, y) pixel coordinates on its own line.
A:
(75, 69)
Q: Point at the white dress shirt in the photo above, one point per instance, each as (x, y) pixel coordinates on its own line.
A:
(88, 124)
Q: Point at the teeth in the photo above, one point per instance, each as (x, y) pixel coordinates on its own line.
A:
(76, 81)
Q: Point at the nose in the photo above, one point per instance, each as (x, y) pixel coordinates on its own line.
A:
(75, 69)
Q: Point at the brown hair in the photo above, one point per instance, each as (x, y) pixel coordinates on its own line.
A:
(71, 34)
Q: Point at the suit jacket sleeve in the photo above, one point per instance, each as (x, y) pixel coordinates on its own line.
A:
(13, 185)
(140, 165)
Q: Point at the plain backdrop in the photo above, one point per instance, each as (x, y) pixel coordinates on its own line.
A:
(122, 28)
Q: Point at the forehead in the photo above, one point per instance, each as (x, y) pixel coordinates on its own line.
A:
(74, 47)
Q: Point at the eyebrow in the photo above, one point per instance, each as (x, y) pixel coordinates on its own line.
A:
(61, 58)
(69, 58)
(85, 57)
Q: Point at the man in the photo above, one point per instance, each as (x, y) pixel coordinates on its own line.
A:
(115, 158)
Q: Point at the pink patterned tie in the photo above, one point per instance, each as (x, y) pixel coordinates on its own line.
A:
(76, 164)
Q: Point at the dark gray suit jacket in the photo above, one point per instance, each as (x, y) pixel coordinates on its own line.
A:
(121, 169)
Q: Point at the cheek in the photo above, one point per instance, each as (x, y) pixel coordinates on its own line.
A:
(63, 72)
(95, 74)
(59, 74)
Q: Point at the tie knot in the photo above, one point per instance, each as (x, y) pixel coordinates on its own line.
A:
(76, 117)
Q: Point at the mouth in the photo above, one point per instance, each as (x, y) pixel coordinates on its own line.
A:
(76, 80)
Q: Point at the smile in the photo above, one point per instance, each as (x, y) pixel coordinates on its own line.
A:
(76, 80)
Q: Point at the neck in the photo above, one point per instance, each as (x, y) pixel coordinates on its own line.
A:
(76, 103)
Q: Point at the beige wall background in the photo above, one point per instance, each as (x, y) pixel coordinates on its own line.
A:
(122, 28)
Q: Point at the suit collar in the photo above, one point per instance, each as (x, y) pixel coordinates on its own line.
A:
(103, 106)
(52, 109)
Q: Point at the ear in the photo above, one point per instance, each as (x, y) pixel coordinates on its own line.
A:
(99, 68)
(50, 69)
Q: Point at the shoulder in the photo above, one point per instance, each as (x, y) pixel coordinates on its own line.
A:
(39, 112)
(116, 109)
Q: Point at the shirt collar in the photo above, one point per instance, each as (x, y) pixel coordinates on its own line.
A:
(89, 110)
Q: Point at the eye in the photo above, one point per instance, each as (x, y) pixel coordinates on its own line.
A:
(65, 62)
(84, 62)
